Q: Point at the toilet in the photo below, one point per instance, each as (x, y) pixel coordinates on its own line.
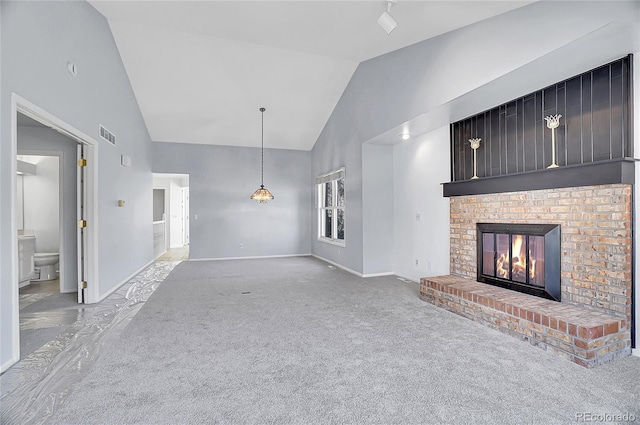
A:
(46, 264)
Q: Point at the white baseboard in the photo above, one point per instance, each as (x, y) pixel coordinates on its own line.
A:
(340, 266)
(249, 258)
(377, 274)
(131, 276)
(6, 365)
(347, 269)
(408, 278)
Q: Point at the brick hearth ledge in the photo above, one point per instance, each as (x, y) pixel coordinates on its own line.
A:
(584, 336)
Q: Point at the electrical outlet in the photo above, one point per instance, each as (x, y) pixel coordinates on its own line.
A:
(418, 217)
(417, 262)
(339, 251)
(429, 266)
(241, 246)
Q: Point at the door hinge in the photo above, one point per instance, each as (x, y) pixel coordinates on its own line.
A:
(82, 223)
(83, 284)
(82, 162)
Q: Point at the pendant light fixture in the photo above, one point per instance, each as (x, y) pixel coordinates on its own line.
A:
(262, 195)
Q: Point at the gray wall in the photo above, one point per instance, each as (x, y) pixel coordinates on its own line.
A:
(37, 40)
(221, 180)
(377, 207)
(427, 85)
(421, 213)
(41, 140)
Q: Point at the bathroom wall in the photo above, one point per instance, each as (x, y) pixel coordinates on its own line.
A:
(41, 202)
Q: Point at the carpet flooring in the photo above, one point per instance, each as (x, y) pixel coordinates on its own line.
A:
(294, 341)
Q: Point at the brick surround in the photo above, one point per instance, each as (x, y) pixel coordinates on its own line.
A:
(596, 259)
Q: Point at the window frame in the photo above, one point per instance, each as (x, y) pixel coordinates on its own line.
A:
(321, 181)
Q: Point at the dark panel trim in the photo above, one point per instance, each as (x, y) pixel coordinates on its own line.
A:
(603, 172)
(596, 125)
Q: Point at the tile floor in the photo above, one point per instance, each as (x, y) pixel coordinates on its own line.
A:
(175, 254)
(44, 314)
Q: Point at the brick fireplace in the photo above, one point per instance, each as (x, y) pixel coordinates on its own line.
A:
(590, 326)
(559, 158)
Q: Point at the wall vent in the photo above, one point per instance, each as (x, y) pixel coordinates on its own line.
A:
(107, 135)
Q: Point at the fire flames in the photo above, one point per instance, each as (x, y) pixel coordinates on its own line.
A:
(518, 262)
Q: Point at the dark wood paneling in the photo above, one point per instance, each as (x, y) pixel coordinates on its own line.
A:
(596, 125)
(529, 132)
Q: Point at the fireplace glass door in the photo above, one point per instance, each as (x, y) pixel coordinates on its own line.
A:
(516, 256)
(519, 258)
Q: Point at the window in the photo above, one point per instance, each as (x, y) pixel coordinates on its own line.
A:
(330, 188)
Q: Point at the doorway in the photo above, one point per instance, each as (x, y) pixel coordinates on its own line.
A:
(46, 220)
(21, 110)
(171, 216)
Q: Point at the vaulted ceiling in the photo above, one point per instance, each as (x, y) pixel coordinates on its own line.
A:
(200, 70)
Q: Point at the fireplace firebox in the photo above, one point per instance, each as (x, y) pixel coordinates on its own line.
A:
(520, 257)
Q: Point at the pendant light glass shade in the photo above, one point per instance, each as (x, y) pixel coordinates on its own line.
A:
(262, 195)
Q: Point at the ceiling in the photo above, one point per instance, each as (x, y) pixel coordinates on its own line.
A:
(200, 70)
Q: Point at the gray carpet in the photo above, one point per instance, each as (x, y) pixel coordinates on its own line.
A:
(290, 340)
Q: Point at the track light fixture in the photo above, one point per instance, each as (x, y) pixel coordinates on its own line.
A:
(385, 20)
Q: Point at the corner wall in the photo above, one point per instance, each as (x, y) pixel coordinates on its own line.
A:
(421, 213)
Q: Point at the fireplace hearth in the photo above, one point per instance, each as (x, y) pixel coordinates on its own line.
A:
(520, 257)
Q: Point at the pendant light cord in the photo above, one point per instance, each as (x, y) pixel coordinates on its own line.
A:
(262, 149)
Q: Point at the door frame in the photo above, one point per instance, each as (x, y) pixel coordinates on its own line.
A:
(25, 107)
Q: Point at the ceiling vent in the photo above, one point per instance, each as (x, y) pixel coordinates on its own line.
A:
(107, 135)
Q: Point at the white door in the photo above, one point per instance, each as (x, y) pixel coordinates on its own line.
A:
(82, 225)
(185, 216)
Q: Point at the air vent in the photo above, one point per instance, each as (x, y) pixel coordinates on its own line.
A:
(107, 135)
